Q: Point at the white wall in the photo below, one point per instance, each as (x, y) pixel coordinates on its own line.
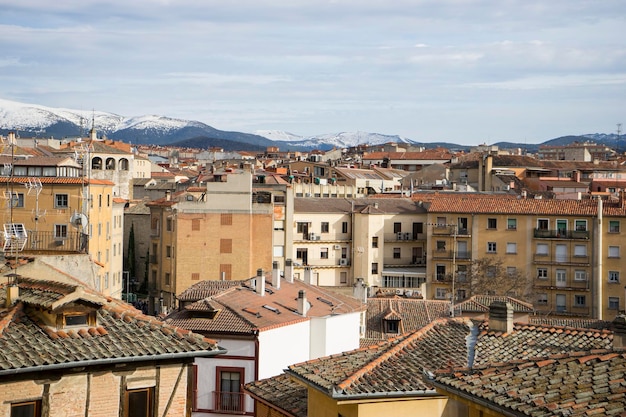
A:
(334, 334)
(283, 346)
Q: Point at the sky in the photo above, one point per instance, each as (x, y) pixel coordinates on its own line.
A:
(463, 71)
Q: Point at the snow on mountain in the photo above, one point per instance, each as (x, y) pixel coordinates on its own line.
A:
(348, 139)
(154, 122)
(14, 115)
(278, 135)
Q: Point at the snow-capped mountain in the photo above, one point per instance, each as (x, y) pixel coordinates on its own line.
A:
(339, 140)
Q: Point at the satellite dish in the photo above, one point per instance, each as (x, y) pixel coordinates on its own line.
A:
(78, 220)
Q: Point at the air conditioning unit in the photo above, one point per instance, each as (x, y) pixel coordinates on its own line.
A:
(337, 247)
(399, 291)
(399, 236)
(312, 236)
(317, 237)
(343, 262)
(59, 242)
(407, 236)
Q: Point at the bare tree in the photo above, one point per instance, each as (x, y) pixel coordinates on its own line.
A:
(489, 276)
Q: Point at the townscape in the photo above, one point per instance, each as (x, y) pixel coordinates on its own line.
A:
(375, 280)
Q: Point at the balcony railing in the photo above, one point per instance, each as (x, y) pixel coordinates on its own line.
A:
(228, 402)
(561, 259)
(561, 234)
(404, 237)
(45, 241)
(444, 254)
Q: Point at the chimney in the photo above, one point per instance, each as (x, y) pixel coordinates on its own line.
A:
(275, 275)
(13, 294)
(501, 317)
(303, 304)
(289, 271)
(11, 138)
(168, 195)
(307, 275)
(360, 290)
(259, 283)
(619, 331)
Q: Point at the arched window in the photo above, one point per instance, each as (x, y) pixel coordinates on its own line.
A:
(96, 163)
(110, 163)
(124, 164)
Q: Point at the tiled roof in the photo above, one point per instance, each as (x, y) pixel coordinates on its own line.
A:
(579, 384)
(528, 341)
(208, 288)
(481, 303)
(413, 313)
(283, 392)
(506, 204)
(122, 333)
(442, 154)
(570, 322)
(242, 310)
(396, 367)
(360, 205)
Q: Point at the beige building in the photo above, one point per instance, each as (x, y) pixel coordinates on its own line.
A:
(223, 229)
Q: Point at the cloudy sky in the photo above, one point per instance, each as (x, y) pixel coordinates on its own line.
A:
(466, 71)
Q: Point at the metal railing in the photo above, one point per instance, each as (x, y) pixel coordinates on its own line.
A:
(561, 234)
(47, 241)
(228, 402)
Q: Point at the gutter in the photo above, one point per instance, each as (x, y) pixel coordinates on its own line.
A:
(480, 401)
(112, 361)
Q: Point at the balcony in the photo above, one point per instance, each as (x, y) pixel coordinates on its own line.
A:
(404, 237)
(228, 402)
(445, 254)
(561, 234)
(580, 260)
(41, 241)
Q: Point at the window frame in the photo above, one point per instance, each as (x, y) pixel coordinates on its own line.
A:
(511, 224)
(492, 247)
(325, 227)
(615, 249)
(150, 406)
(492, 223)
(219, 370)
(612, 228)
(511, 248)
(613, 277)
(61, 201)
(540, 274)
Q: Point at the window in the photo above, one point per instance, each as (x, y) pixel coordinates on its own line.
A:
(60, 231)
(17, 199)
(580, 250)
(580, 300)
(374, 267)
(492, 223)
(168, 278)
(279, 251)
(139, 402)
(441, 222)
(397, 227)
(302, 227)
(96, 163)
(189, 197)
(195, 276)
(226, 219)
(613, 251)
(26, 409)
(511, 224)
(226, 246)
(441, 245)
(542, 299)
(61, 201)
(440, 293)
(168, 251)
(461, 273)
(613, 226)
(324, 253)
(491, 271)
(229, 397)
(542, 273)
(396, 253)
(226, 272)
(580, 275)
(613, 277)
(543, 224)
(343, 277)
(511, 247)
(511, 271)
(580, 225)
(344, 227)
(491, 247)
(392, 326)
(195, 224)
(325, 227)
(110, 164)
(168, 225)
(375, 241)
(613, 303)
(542, 249)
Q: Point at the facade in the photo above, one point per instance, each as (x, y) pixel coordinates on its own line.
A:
(265, 323)
(382, 241)
(219, 230)
(69, 350)
(61, 212)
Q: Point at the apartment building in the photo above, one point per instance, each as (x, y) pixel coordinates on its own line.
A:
(49, 208)
(382, 240)
(569, 250)
(225, 228)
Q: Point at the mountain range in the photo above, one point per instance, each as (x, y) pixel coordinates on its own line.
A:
(32, 120)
